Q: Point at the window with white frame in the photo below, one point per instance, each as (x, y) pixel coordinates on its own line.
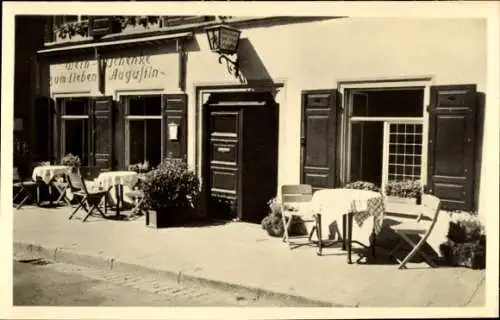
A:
(75, 127)
(385, 129)
(143, 123)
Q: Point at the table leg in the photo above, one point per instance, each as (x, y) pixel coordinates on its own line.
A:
(344, 231)
(50, 193)
(117, 193)
(349, 237)
(119, 198)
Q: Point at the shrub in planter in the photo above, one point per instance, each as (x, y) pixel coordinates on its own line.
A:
(465, 244)
(362, 185)
(139, 167)
(273, 222)
(404, 189)
(72, 161)
(170, 190)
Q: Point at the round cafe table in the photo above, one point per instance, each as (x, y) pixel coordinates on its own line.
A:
(350, 205)
(117, 180)
(47, 174)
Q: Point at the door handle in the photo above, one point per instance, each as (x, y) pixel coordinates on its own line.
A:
(223, 149)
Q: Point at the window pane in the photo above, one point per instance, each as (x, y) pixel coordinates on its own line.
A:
(153, 106)
(136, 106)
(76, 107)
(76, 139)
(136, 148)
(153, 142)
(389, 103)
(145, 105)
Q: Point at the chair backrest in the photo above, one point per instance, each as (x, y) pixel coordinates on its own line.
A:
(296, 193)
(431, 206)
(15, 175)
(76, 182)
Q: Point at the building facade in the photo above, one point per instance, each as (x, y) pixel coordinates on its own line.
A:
(322, 101)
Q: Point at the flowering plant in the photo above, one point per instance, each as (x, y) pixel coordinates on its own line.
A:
(404, 189)
(362, 185)
(170, 184)
(273, 222)
(139, 167)
(71, 161)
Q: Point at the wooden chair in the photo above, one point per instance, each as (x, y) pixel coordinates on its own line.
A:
(422, 226)
(90, 199)
(295, 201)
(22, 187)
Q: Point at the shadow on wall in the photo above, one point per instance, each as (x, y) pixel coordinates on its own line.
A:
(479, 146)
(253, 72)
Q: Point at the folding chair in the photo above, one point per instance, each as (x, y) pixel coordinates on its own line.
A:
(429, 210)
(22, 186)
(296, 201)
(90, 200)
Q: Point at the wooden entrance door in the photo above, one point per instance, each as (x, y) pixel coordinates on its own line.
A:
(241, 151)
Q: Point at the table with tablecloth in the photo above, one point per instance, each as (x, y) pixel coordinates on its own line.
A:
(120, 182)
(48, 174)
(356, 205)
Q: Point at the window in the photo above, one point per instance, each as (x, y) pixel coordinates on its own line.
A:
(143, 129)
(385, 134)
(75, 128)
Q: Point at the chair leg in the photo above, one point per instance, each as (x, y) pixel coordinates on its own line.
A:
(319, 232)
(414, 251)
(287, 228)
(23, 201)
(82, 203)
(89, 213)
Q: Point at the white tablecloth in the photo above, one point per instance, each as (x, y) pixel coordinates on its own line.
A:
(47, 173)
(333, 203)
(113, 178)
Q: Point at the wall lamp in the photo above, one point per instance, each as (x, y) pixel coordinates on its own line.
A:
(224, 40)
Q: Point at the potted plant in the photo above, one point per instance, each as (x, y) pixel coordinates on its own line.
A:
(466, 243)
(406, 191)
(71, 161)
(170, 190)
(362, 185)
(140, 168)
(273, 222)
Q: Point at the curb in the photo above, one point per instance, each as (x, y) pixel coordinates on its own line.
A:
(70, 256)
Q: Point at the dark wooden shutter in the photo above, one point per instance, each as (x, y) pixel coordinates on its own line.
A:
(44, 139)
(452, 141)
(48, 35)
(318, 138)
(100, 26)
(174, 110)
(101, 134)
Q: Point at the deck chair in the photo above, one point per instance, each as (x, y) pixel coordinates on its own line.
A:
(422, 226)
(89, 199)
(22, 187)
(296, 200)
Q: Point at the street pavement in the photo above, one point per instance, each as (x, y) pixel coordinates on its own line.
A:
(41, 282)
(241, 257)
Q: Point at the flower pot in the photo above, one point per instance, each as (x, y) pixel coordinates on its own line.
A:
(467, 254)
(395, 199)
(165, 217)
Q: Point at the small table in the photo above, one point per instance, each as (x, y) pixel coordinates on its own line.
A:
(47, 174)
(351, 204)
(117, 179)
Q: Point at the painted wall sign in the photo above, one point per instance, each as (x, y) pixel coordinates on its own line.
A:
(127, 69)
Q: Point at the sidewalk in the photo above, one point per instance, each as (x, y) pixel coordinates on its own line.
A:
(241, 256)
